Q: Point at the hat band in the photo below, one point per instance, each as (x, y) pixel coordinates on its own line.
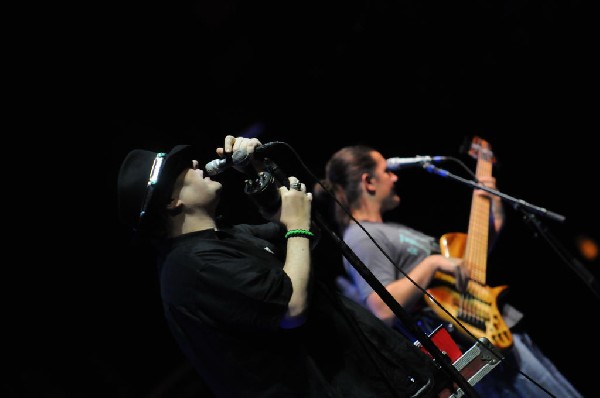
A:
(152, 180)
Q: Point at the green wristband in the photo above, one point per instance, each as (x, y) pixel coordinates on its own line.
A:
(299, 232)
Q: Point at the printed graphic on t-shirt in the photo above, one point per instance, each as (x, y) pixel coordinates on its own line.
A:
(413, 246)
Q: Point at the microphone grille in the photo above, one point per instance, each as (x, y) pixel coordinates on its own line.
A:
(213, 167)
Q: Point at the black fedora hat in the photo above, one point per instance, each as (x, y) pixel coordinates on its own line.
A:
(145, 182)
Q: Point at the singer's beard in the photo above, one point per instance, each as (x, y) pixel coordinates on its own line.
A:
(390, 203)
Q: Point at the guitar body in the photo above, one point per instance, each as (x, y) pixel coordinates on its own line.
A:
(474, 310)
(483, 318)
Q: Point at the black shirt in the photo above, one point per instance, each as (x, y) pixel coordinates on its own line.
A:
(224, 294)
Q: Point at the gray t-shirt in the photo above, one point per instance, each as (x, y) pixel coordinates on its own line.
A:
(405, 247)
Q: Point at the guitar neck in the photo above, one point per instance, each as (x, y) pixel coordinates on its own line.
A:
(476, 250)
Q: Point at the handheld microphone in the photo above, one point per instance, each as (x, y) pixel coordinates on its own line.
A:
(218, 166)
(395, 164)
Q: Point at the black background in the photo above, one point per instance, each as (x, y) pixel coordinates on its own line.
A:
(409, 78)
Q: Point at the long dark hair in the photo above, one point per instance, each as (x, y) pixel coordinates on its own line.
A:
(343, 173)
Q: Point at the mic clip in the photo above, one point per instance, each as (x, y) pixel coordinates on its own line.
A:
(264, 192)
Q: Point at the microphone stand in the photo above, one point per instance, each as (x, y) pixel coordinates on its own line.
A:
(529, 213)
(397, 309)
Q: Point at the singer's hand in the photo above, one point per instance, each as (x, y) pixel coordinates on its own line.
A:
(488, 182)
(295, 206)
(240, 149)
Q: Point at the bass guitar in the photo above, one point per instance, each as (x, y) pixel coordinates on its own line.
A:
(474, 309)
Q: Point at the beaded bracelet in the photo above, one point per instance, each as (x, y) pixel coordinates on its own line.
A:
(299, 232)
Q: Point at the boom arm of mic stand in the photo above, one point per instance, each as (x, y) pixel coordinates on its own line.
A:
(529, 212)
(397, 309)
(534, 209)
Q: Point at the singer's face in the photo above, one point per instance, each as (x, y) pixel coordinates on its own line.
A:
(194, 189)
(385, 181)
